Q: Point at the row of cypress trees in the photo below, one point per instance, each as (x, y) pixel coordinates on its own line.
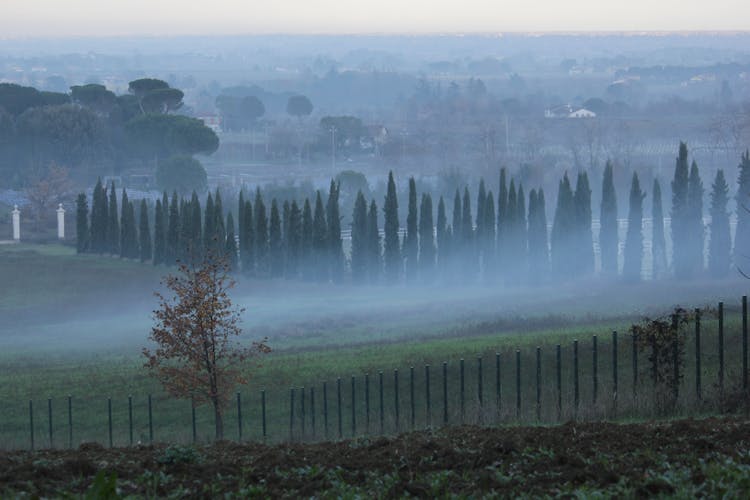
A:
(506, 241)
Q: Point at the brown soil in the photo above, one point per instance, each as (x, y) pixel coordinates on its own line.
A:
(475, 460)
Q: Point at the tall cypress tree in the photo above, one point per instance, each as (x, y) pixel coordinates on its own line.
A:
(479, 221)
(585, 244)
(286, 219)
(98, 238)
(128, 236)
(144, 233)
(680, 226)
(696, 231)
(512, 235)
(502, 221)
(241, 220)
(294, 241)
(183, 238)
(375, 261)
(333, 232)
(489, 254)
(608, 240)
(173, 231)
(742, 234)
(632, 266)
(82, 224)
(426, 240)
(113, 227)
(522, 233)
(538, 243)
(563, 231)
(320, 241)
(230, 244)
(658, 242)
(262, 263)
(306, 250)
(359, 259)
(160, 236)
(248, 255)
(456, 240)
(443, 252)
(719, 247)
(469, 241)
(392, 251)
(195, 245)
(219, 226)
(275, 242)
(209, 229)
(411, 241)
(133, 245)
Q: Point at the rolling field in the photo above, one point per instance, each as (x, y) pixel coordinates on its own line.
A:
(75, 328)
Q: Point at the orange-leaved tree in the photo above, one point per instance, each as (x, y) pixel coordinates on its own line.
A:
(196, 352)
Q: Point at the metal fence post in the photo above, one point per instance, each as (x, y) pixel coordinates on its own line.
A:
(445, 393)
(291, 414)
(518, 382)
(150, 422)
(595, 367)
(312, 411)
(498, 400)
(461, 382)
(31, 423)
(744, 342)
(354, 410)
(411, 397)
(479, 388)
(130, 420)
(428, 403)
(382, 410)
(325, 410)
(614, 369)
(721, 347)
(576, 391)
(367, 403)
(558, 370)
(70, 421)
(634, 357)
(49, 421)
(109, 414)
(302, 413)
(263, 413)
(239, 416)
(538, 383)
(698, 354)
(675, 357)
(338, 407)
(395, 396)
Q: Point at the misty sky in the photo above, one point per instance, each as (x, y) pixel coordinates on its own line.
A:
(34, 18)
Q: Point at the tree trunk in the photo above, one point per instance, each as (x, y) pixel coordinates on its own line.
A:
(219, 421)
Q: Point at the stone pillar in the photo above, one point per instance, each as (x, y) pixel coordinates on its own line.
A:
(16, 216)
(60, 222)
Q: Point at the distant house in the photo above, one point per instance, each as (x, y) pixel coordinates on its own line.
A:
(373, 138)
(211, 121)
(568, 111)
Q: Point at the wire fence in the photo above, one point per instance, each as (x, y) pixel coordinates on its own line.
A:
(605, 377)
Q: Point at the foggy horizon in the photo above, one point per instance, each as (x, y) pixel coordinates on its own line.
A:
(89, 18)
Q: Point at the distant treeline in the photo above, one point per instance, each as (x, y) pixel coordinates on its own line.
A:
(93, 129)
(504, 241)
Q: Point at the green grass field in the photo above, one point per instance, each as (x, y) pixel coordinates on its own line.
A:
(74, 325)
